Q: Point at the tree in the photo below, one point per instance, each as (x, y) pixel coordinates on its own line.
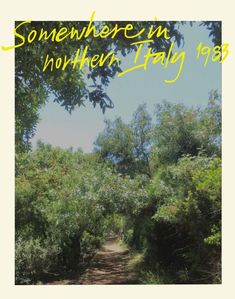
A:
(141, 125)
(115, 144)
(73, 87)
(211, 123)
(214, 28)
(183, 131)
(127, 145)
(175, 132)
(65, 202)
(189, 209)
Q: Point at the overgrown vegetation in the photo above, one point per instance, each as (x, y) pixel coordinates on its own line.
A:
(156, 180)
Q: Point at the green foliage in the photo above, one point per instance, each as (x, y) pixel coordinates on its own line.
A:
(64, 205)
(179, 228)
(127, 145)
(33, 256)
(70, 88)
(188, 219)
(180, 130)
(116, 144)
(157, 182)
(68, 202)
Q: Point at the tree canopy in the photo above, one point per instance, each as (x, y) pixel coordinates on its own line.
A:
(72, 88)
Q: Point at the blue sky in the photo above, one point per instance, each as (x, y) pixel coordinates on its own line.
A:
(80, 129)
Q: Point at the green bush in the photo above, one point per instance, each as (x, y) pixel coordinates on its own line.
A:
(64, 202)
(187, 222)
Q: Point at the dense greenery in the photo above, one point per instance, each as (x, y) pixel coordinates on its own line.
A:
(127, 146)
(65, 205)
(181, 233)
(179, 228)
(156, 179)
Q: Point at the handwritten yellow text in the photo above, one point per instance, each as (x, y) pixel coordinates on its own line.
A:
(80, 60)
(165, 59)
(217, 53)
(59, 35)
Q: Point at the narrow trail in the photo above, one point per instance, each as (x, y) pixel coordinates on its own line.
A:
(109, 266)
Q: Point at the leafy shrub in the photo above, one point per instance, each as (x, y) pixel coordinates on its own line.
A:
(186, 233)
(63, 202)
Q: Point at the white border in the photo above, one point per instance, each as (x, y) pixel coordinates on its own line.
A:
(112, 10)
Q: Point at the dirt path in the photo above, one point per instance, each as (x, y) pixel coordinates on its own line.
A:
(109, 266)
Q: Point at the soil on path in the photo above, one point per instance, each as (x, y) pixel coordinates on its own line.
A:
(109, 266)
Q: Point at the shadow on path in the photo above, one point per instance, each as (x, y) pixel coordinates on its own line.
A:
(109, 266)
